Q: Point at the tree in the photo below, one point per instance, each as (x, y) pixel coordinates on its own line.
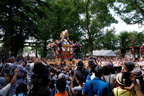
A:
(96, 16)
(123, 41)
(64, 16)
(46, 28)
(66, 12)
(127, 39)
(110, 41)
(131, 11)
(19, 20)
(140, 39)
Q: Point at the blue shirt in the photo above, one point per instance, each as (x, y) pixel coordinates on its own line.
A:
(20, 94)
(21, 69)
(2, 82)
(100, 87)
(88, 77)
(6, 69)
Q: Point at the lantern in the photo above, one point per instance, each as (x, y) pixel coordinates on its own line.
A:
(132, 49)
(141, 50)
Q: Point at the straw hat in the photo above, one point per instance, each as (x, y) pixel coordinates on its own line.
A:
(138, 72)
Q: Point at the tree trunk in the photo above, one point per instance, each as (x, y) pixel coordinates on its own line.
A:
(45, 48)
(7, 43)
(90, 44)
(36, 50)
(90, 41)
(8, 30)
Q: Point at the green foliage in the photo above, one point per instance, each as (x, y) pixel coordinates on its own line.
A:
(96, 16)
(134, 39)
(108, 40)
(26, 50)
(19, 19)
(131, 11)
(64, 16)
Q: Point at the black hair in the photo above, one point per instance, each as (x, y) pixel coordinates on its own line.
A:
(99, 71)
(43, 91)
(93, 67)
(39, 68)
(21, 88)
(130, 65)
(81, 78)
(80, 65)
(106, 70)
(61, 84)
(112, 70)
(18, 59)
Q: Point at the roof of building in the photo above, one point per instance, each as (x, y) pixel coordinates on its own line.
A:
(103, 53)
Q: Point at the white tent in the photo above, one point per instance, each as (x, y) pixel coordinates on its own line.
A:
(103, 53)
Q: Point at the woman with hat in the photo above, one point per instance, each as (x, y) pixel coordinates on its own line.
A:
(139, 77)
(122, 81)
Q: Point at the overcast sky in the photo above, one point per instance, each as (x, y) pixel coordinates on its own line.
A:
(122, 26)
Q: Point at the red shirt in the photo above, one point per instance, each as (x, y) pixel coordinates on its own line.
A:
(65, 93)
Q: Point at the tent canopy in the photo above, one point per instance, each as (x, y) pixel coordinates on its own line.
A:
(103, 53)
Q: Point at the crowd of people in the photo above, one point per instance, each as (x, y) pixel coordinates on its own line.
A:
(32, 76)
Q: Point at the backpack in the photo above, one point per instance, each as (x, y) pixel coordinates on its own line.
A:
(93, 94)
(110, 90)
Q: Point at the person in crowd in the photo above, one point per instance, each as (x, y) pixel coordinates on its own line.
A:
(92, 71)
(77, 91)
(90, 63)
(96, 86)
(109, 78)
(1, 63)
(6, 89)
(40, 78)
(139, 77)
(62, 75)
(136, 86)
(129, 66)
(110, 63)
(6, 69)
(61, 86)
(63, 80)
(13, 60)
(21, 78)
(29, 69)
(123, 80)
(43, 91)
(2, 80)
(24, 63)
(80, 69)
(21, 90)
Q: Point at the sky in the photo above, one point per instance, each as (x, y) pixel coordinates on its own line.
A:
(122, 26)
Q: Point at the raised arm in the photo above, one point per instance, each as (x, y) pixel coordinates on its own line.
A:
(6, 89)
(14, 77)
(71, 86)
(136, 87)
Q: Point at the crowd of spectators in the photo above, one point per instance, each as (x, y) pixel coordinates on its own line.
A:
(32, 76)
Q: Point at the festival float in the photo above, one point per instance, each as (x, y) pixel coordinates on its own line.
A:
(64, 48)
(133, 52)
